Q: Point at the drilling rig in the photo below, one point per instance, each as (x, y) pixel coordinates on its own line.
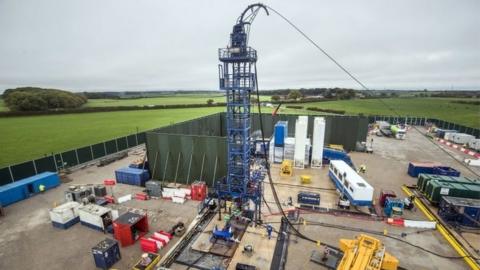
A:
(238, 77)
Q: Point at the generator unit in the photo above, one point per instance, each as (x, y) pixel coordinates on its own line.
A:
(308, 198)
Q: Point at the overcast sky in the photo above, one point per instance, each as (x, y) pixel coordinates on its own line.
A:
(166, 45)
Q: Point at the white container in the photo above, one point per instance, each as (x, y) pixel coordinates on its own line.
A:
(318, 142)
(95, 216)
(462, 138)
(448, 136)
(474, 144)
(301, 126)
(63, 215)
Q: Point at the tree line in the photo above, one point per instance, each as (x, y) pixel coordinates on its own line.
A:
(40, 99)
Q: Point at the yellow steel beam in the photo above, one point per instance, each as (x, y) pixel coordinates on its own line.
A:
(444, 232)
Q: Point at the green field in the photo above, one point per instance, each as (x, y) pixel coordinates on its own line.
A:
(26, 138)
(167, 100)
(440, 108)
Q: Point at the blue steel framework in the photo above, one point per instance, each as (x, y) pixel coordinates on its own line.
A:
(237, 76)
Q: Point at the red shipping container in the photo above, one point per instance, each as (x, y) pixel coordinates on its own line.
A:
(130, 227)
(198, 191)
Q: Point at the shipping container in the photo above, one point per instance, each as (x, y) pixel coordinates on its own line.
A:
(436, 189)
(448, 136)
(462, 138)
(280, 132)
(416, 168)
(23, 189)
(130, 227)
(65, 215)
(96, 217)
(474, 144)
(106, 253)
(132, 176)
(447, 171)
(460, 211)
(440, 133)
(423, 180)
(333, 154)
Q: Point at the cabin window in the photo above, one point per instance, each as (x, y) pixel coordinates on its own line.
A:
(361, 184)
(351, 189)
(346, 184)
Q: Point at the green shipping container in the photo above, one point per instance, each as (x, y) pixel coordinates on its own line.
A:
(424, 179)
(436, 189)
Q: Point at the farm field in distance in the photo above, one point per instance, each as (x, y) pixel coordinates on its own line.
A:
(440, 108)
(29, 137)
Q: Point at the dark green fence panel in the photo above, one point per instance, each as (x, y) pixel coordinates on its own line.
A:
(122, 143)
(131, 140)
(5, 177)
(98, 150)
(142, 138)
(46, 164)
(111, 147)
(70, 158)
(84, 154)
(58, 160)
(23, 170)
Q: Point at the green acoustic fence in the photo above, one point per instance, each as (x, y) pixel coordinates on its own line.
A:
(186, 158)
(196, 150)
(70, 158)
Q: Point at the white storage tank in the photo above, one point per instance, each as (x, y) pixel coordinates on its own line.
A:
(95, 216)
(301, 126)
(65, 215)
(318, 142)
(462, 138)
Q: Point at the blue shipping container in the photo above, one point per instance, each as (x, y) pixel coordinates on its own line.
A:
(308, 198)
(132, 176)
(332, 154)
(22, 189)
(106, 253)
(416, 168)
(448, 171)
(441, 132)
(280, 132)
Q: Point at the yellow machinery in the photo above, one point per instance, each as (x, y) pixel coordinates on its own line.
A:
(336, 147)
(305, 179)
(287, 168)
(148, 261)
(365, 252)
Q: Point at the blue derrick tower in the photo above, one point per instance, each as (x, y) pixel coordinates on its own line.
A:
(237, 76)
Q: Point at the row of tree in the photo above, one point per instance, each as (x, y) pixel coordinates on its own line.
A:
(335, 93)
(40, 99)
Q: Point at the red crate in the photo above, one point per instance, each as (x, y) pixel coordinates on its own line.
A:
(141, 196)
(148, 245)
(198, 191)
(109, 182)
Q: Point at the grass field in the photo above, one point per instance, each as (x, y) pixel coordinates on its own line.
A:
(26, 138)
(167, 100)
(440, 108)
